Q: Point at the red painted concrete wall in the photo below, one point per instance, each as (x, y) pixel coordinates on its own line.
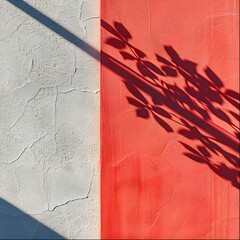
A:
(169, 119)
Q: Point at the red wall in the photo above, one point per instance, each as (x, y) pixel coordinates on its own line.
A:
(169, 118)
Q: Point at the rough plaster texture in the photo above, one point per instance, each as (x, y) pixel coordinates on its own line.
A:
(170, 91)
(49, 108)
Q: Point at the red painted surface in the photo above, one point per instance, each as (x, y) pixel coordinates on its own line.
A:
(169, 118)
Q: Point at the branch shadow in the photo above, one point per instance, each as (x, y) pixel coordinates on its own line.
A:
(196, 104)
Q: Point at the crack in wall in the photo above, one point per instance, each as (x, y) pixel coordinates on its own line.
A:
(36, 131)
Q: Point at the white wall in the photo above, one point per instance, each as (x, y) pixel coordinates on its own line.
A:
(49, 117)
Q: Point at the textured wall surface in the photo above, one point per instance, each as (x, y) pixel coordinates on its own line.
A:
(49, 121)
(170, 82)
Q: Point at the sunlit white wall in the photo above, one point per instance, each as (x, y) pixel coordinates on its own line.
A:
(49, 116)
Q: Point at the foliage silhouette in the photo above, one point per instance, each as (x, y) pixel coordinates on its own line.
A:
(201, 98)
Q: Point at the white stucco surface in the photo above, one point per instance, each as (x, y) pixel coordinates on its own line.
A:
(49, 118)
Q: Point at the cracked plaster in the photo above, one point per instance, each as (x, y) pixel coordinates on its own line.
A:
(49, 108)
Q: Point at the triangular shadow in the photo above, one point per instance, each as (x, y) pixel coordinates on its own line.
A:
(16, 224)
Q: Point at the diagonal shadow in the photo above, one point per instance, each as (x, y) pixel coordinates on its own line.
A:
(54, 26)
(16, 224)
(178, 101)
